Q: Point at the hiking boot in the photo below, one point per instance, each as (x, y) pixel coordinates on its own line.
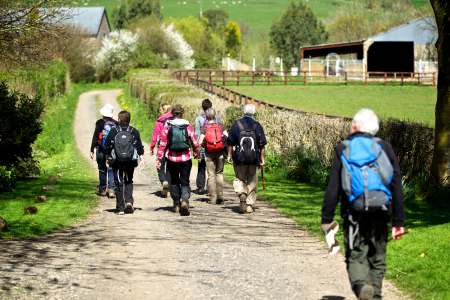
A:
(165, 189)
(110, 193)
(249, 209)
(219, 200)
(100, 192)
(121, 212)
(201, 191)
(184, 208)
(366, 292)
(129, 208)
(243, 207)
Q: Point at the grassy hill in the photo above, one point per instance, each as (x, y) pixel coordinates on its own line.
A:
(256, 14)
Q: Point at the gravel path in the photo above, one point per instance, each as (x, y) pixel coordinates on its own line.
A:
(215, 253)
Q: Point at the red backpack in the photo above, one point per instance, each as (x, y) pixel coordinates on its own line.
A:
(213, 137)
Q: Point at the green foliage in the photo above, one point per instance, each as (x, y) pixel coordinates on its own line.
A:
(7, 178)
(20, 125)
(208, 45)
(131, 10)
(233, 39)
(297, 27)
(217, 19)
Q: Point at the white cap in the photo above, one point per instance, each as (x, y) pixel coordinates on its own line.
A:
(107, 110)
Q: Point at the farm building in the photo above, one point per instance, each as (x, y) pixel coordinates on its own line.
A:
(92, 21)
(407, 48)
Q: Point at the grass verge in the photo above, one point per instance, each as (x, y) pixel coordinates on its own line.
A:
(418, 264)
(71, 198)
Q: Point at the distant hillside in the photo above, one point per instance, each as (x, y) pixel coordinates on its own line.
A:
(257, 14)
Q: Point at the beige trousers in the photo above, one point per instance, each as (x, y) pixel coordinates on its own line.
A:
(214, 168)
(246, 182)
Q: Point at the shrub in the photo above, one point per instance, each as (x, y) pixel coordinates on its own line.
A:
(7, 178)
(113, 59)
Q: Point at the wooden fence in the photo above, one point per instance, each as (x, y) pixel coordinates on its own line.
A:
(225, 78)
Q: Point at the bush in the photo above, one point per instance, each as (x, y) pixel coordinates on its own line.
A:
(20, 126)
(7, 178)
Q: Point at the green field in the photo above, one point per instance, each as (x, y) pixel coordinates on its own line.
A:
(258, 15)
(414, 103)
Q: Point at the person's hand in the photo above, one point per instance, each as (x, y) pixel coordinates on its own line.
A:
(229, 160)
(262, 162)
(197, 154)
(91, 155)
(158, 164)
(397, 232)
(141, 162)
(152, 151)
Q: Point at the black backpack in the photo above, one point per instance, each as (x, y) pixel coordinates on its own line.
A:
(178, 138)
(124, 149)
(247, 151)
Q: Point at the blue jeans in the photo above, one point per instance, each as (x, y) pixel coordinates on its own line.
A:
(105, 174)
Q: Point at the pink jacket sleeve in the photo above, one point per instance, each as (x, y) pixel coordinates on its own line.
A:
(163, 141)
(191, 134)
(156, 132)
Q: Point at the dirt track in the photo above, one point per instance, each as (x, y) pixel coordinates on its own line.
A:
(215, 253)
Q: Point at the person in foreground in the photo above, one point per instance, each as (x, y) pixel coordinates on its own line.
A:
(365, 177)
(177, 139)
(125, 150)
(163, 174)
(247, 138)
(102, 128)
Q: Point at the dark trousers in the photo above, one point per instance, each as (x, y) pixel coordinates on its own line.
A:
(163, 172)
(179, 176)
(123, 179)
(201, 174)
(366, 262)
(105, 174)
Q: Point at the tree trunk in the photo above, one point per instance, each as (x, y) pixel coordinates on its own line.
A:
(441, 157)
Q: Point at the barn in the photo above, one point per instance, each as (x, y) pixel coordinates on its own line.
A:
(407, 48)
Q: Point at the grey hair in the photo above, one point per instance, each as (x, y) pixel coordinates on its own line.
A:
(365, 120)
(249, 109)
(210, 113)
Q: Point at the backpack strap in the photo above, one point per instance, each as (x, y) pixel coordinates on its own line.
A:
(240, 125)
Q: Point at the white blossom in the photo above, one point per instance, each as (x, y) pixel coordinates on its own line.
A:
(183, 49)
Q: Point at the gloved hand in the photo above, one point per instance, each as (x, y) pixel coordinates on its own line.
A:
(397, 232)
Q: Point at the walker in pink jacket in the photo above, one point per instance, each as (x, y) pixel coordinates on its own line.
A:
(159, 125)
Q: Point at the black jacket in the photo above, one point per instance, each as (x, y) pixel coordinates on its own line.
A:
(334, 191)
(99, 127)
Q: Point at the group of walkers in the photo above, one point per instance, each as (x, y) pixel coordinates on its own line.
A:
(365, 176)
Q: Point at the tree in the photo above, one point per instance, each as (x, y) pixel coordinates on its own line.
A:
(440, 165)
(217, 18)
(233, 38)
(297, 27)
(26, 29)
(131, 10)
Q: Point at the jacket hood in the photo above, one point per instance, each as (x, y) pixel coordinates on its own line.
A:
(178, 122)
(164, 117)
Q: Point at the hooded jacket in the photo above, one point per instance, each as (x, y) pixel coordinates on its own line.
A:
(159, 125)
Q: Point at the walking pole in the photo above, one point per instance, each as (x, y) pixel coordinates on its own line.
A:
(263, 179)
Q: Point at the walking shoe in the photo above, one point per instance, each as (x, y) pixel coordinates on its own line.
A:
(249, 209)
(100, 192)
(201, 191)
(243, 207)
(121, 212)
(366, 292)
(165, 189)
(184, 208)
(110, 193)
(219, 200)
(129, 208)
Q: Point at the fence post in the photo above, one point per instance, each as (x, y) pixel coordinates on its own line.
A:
(237, 78)
(196, 75)
(253, 78)
(285, 78)
(210, 77)
(385, 78)
(304, 77)
(345, 77)
(268, 78)
(401, 77)
(418, 78)
(434, 78)
(366, 78)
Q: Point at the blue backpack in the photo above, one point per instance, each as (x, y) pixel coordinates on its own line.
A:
(366, 174)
